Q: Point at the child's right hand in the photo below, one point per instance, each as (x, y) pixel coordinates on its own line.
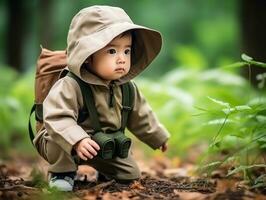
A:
(86, 148)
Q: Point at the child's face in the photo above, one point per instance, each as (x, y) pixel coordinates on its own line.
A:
(113, 61)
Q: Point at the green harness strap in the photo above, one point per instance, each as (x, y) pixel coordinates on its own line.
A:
(33, 109)
(127, 101)
(90, 109)
(88, 101)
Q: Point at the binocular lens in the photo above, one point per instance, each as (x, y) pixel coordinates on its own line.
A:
(106, 143)
(122, 145)
(125, 148)
(107, 150)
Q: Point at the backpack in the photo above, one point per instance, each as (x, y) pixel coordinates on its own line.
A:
(51, 66)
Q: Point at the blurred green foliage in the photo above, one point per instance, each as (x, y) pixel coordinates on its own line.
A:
(16, 97)
(178, 96)
(206, 27)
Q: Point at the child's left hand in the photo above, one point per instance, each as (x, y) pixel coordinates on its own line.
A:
(164, 147)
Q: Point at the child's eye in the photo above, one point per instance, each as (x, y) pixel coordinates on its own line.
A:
(127, 51)
(111, 51)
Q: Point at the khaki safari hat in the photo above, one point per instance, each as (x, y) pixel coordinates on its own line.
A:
(92, 28)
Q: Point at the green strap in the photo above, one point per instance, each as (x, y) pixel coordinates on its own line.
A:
(88, 101)
(127, 101)
(39, 112)
(29, 125)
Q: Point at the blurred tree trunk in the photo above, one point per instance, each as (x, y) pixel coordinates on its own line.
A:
(15, 33)
(253, 24)
(20, 23)
(46, 22)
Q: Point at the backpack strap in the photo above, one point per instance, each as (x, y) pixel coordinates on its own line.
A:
(31, 134)
(37, 108)
(128, 96)
(88, 101)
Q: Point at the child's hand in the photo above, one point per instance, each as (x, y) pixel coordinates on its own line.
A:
(86, 148)
(164, 147)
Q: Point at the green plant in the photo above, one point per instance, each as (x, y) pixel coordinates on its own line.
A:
(175, 98)
(240, 141)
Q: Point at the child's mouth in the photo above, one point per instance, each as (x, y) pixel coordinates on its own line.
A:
(120, 69)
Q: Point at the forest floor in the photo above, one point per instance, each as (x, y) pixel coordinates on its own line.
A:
(22, 177)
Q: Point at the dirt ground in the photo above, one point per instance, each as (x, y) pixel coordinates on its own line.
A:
(162, 178)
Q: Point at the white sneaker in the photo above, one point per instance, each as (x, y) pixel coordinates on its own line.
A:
(62, 181)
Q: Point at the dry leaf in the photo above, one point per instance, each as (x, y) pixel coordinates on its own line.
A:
(137, 186)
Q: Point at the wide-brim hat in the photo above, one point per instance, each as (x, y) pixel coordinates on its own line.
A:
(96, 26)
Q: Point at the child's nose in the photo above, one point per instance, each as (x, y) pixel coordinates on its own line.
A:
(121, 59)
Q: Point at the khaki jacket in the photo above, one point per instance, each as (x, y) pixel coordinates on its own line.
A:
(64, 101)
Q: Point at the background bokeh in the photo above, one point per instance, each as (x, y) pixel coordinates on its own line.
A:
(198, 33)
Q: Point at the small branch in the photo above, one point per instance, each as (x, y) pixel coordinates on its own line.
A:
(19, 188)
(96, 187)
(143, 195)
(102, 185)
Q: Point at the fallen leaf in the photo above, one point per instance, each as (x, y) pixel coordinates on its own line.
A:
(137, 186)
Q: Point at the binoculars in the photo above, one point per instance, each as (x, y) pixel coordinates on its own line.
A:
(112, 144)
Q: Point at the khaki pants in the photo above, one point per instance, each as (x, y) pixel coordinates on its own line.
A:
(60, 161)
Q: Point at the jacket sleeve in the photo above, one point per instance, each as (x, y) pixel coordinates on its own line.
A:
(60, 112)
(144, 124)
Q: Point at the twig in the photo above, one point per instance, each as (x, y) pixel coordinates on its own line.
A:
(160, 179)
(19, 188)
(96, 187)
(102, 185)
(143, 195)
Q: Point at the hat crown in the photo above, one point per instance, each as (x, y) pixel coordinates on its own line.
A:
(95, 18)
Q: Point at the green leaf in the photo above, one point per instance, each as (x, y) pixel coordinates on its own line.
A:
(261, 118)
(236, 108)
(260, 182)
(260, 179)
(250, 60)
(259, 185)
(245, 57)
(228, 110)
(216, 163)
(199, 108)
(219, 121)
(243, 168)
(225, 104)
(243, 107)
(263, 139)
